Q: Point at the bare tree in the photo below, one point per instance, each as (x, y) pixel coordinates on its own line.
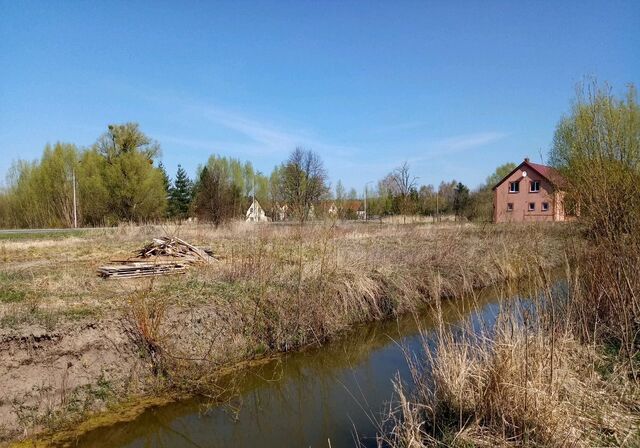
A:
(304, 181)
(404, 184)
(403, 181)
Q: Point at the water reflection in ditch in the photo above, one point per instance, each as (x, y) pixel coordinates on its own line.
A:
(329, 396)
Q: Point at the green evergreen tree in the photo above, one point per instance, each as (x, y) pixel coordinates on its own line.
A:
(180, 195)
(167, 185)
(460, 199)
(165, 178)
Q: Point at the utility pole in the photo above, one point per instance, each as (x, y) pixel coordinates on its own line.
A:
(253, 199)
(365, 203)
(437, 211)
(365, 199)
(75, 207)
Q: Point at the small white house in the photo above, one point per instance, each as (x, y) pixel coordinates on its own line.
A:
(256, 213)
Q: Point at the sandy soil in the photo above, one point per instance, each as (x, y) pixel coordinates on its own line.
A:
(42, 371)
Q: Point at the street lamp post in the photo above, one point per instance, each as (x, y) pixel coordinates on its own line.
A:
(75, 196)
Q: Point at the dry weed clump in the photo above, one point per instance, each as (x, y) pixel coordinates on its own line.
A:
(143, 324)
(564, 369)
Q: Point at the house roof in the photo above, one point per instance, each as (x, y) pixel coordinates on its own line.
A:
(253, 210)
(353, 205)
(548, 172)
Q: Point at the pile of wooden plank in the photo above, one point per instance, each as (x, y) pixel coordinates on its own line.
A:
(177, 248)
(162, 256)
(141, 269)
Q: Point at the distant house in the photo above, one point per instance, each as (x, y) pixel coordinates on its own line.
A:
(255, 213)
(353, 209)
(531, 192)
(280, 212)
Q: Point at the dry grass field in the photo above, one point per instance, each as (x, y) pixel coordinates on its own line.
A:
(72, 343)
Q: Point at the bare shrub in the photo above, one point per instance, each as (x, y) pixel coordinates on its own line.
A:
(143, 324)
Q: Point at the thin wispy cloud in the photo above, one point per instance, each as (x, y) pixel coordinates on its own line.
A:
(268, 141)
(260, 136)
(464, 142)
(433, 149)
(270, 138)
(457, 144)
(211, 146)
(263, 137)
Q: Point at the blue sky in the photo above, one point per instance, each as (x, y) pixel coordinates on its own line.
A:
(454, 88)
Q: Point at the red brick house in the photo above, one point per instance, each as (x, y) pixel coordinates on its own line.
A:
(531, 192)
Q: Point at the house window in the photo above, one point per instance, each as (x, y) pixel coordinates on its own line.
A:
(532, 206)
(510, 206)
(535, 186)
(545, 206)
(514, 187)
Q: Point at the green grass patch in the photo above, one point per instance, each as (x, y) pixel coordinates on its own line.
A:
(24, 317)
(12, 296)
(37, 235)
(78, 313)
(44, 318)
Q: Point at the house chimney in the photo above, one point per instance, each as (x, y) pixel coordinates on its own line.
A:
(526, 159)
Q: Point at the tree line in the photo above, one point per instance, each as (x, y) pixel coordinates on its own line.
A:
(120, 179)
(115, 180)
(398, 193)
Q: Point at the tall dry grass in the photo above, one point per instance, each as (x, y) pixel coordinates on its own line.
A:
(606, 298)
(558, 370)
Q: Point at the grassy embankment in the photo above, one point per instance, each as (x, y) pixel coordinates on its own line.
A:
(73, 344)
(562, 370)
